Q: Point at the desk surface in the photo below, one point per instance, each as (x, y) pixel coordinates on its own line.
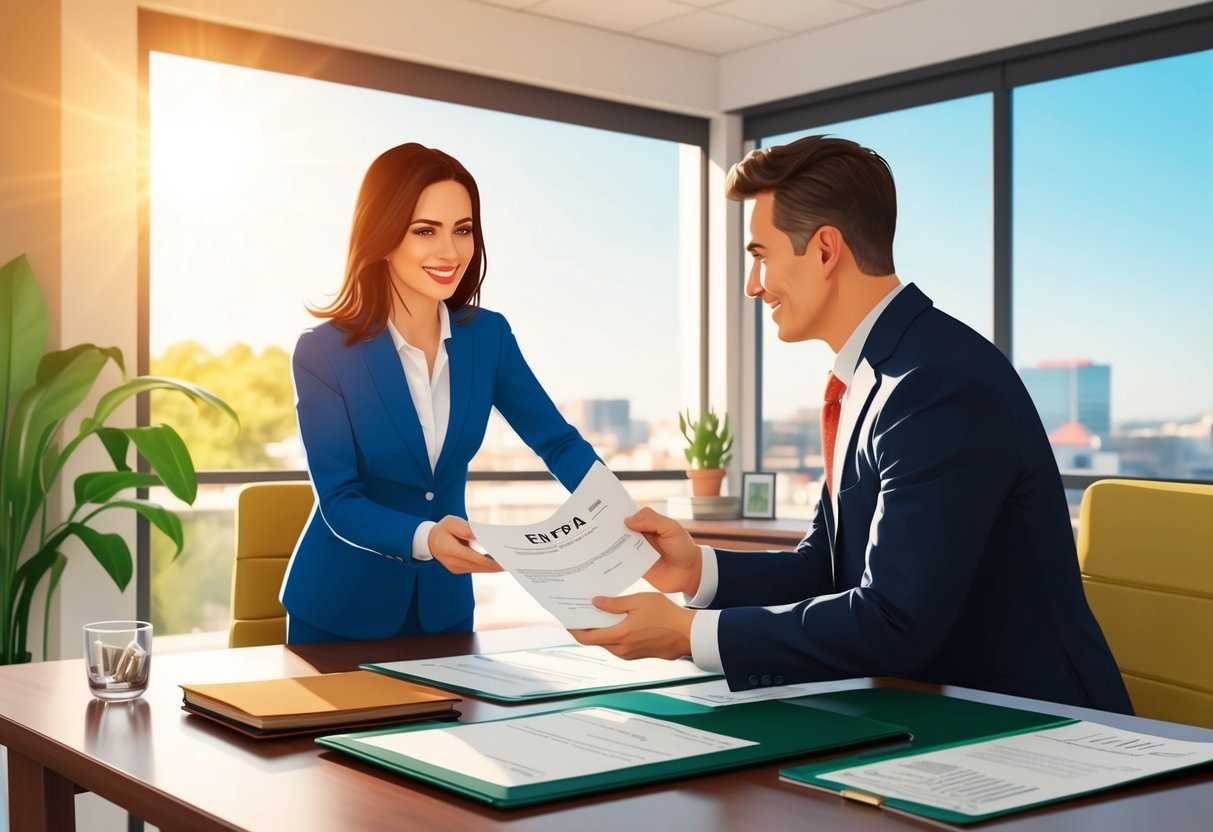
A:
(182, 773)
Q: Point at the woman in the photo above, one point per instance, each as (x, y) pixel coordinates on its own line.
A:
(393, 395)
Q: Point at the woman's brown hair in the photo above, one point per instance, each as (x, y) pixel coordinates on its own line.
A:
(386, 203)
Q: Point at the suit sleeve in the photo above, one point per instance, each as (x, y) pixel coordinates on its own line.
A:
(944, 448)
(332, 460)
(748, 578)
(524, 403)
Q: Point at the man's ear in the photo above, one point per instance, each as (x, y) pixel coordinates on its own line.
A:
(830, 245)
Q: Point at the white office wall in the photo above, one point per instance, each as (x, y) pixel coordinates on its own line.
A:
(907, 37)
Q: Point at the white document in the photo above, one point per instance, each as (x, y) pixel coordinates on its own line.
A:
(581, 551)
(554, 746)
(716, 692)
(545, 671)
(1021, 770)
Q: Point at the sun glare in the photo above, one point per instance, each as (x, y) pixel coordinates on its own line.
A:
(200, 162)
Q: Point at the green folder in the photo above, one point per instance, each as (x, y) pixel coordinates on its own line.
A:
(778, 730)
(936, 723)
(394, 669)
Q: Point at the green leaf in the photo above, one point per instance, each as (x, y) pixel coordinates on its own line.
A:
(158, 516)
(26, 580)
(111, 400)
(109, 549)
(116, 445)
(42, 408)
(100, 486)
(57, 567)
(23, 331)
(166, 453)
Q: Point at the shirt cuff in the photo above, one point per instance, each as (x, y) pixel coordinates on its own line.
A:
(709, 579)
(705, 645)
(421, 540)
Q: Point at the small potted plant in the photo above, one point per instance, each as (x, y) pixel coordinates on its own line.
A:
(708, 450)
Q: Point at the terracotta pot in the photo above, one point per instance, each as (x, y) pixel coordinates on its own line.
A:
(705, 482)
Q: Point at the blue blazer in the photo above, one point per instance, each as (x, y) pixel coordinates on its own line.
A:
(352, 572)
(953, 558)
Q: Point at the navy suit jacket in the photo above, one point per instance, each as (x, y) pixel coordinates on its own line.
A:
(952, 559)
(352, 572)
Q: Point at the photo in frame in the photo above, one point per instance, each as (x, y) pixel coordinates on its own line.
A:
(757, 495)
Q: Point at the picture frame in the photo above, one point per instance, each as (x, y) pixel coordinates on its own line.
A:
(758, 495)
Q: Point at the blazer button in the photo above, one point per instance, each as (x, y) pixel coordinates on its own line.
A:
(429, 495)
(778, 680)
(766, 680)
(753, 680)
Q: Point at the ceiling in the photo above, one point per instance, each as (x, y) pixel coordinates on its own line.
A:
(715, 27)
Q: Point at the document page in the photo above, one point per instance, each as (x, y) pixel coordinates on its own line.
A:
(554, 746)
(581, 551)
(546, 671)
(716, 692)
(1017, 771)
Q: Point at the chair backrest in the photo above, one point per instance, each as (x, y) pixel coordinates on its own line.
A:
(1146, 554)
(269, 519)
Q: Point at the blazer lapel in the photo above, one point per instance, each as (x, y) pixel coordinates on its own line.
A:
(459, 358)
(383, 362)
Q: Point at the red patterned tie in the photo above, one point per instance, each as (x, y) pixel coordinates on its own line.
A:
(830, 411)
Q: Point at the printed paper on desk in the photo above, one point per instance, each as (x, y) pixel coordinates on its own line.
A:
(581, 551)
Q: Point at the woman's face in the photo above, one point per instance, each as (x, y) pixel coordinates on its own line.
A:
(437, 245)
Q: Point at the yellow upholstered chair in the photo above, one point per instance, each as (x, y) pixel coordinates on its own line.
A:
(269, 519)
(1146, 554)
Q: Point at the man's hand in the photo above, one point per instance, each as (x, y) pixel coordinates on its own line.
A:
(449, 546)
(681, 559)
(655, 627)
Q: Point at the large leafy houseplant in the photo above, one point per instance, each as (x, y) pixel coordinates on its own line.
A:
(38, 391)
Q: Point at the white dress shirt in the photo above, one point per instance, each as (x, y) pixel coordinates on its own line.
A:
(431, 394)
(705, 642)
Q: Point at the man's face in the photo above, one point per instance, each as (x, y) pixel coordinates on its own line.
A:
(793, 286)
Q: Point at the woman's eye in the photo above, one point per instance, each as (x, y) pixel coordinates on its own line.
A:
(464, 231)
(424, 232)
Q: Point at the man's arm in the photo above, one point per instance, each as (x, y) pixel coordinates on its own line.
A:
(944, 448)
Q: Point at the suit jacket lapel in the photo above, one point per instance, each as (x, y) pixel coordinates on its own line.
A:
(862, 386)
(383, 362)
(459, 358)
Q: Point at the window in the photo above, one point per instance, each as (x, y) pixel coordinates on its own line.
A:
(252, 180)
(941, 157)
(1113, 203)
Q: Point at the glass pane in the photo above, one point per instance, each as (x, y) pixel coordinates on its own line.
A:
(253, 181)
(942, 161)
(1113, 207)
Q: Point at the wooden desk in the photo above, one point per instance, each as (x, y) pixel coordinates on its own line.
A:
(747, 534)
(183, 774)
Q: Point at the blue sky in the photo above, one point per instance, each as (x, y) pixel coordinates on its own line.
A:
(1112, 227)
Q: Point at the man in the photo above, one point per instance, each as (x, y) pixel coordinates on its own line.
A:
(941, 548)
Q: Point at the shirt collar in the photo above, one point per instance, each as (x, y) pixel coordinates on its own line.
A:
(847, 360)
(444, 329)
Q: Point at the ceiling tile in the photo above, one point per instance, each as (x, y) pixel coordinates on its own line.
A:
(619, 15)
(789, 15)
(709, 32)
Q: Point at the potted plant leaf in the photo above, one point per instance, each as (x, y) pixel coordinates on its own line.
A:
(38, 392)
(709, 443)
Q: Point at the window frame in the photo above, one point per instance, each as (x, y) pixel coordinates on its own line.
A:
(219, 43)
(1000, 72)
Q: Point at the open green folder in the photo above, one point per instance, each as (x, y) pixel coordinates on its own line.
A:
(606, 742)
(990, 734)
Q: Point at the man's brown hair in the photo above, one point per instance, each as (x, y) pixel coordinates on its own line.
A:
(822, 180)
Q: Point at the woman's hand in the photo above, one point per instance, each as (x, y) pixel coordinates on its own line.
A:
(449, 546)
